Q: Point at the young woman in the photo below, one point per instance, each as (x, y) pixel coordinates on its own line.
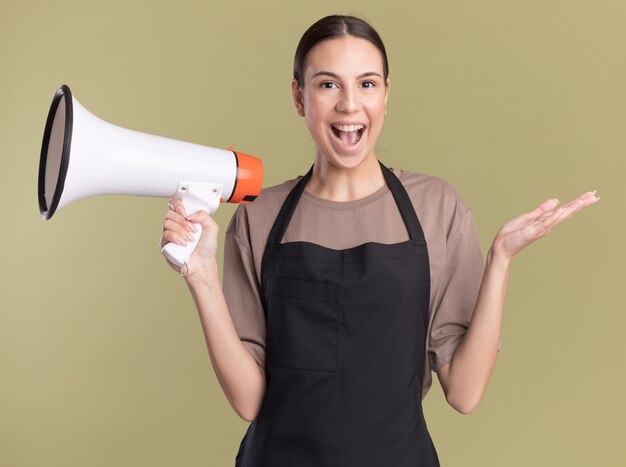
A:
(345, 288)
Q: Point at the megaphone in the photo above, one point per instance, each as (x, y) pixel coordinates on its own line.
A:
(82, 156)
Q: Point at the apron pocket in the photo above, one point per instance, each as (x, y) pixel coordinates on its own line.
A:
(302, 324)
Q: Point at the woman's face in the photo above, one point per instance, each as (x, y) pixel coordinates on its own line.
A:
(343, 99)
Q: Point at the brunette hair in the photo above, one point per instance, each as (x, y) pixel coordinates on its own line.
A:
(331, 27)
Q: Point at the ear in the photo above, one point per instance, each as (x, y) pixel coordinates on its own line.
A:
(387, 89)
(298, 99)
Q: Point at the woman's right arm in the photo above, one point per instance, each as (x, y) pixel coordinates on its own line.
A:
(242, 379)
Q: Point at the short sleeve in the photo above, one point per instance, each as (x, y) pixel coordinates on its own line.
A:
(458, 286)
(241, 287)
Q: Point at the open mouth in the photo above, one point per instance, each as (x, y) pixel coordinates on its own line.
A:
(348, 134)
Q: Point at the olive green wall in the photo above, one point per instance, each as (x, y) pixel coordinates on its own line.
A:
(102, 358)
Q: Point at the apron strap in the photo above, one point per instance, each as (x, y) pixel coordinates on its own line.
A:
(400, 195)
(405, 206)
(286, 212)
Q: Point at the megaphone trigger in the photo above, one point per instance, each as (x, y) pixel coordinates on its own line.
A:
(194, 197)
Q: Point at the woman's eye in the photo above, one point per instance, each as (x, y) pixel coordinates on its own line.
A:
(328, 85)
(368, 84)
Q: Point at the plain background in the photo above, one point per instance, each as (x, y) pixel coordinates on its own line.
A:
(102, 358)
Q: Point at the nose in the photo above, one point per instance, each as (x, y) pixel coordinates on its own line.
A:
(348, 101)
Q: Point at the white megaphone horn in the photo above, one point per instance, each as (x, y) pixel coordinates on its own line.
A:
(82, 155)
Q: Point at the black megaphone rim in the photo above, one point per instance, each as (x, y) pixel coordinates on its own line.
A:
(63, 92)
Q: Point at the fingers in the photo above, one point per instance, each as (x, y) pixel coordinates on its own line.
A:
(207, 243)
(202, 217)
(547, 222)
(541, 211)
(517, 234)
(544, 208)
(584, 200)
(176, 205)
(547, 213)
(177, 233)
(579, 203)
(547, 206)
(176, 228)
(181, 229)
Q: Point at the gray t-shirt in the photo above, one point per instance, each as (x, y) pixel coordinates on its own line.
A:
(456, 261)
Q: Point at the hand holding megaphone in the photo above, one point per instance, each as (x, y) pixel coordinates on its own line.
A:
(192, 197)
(82, 155)
(196, 230)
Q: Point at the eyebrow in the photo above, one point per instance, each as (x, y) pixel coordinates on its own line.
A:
(336, 76)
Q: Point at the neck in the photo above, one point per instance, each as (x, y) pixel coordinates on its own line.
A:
(345, 184)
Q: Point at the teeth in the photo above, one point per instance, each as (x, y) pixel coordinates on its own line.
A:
(348, 128)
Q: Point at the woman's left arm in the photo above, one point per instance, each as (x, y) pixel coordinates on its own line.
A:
(464, 379)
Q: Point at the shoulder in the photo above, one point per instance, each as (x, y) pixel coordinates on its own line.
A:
(437, 203)
(270, 199)
(273, 195)
(261, 213)
(429, 188)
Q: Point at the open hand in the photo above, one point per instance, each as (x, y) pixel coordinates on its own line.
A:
(520, 232)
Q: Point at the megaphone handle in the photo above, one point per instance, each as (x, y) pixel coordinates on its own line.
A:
(194, 196)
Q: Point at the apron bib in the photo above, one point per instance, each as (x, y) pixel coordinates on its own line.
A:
(345, 350)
